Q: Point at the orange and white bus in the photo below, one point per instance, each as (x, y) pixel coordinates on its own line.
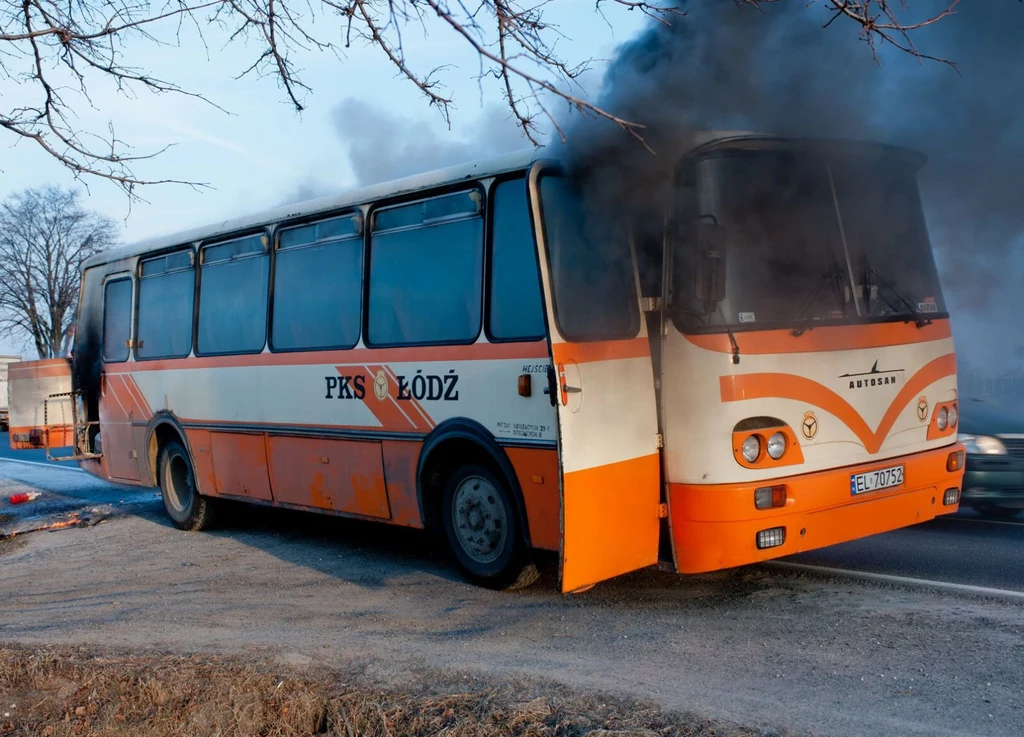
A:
(762, 366)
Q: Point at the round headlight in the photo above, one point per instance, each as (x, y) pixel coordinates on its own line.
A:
(942, 419)
(777, 445)
(953, 415)
(752, 448)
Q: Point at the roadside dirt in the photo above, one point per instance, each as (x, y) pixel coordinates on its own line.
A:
(63, 691)
(753, 647)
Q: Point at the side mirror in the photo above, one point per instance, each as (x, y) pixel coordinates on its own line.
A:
(710, 262)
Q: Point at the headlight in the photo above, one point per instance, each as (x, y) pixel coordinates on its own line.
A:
(953, 415)
(776, 445)
(942, 419)
(752, 448)
(984, 445)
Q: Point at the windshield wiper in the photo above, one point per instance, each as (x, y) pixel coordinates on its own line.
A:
(835, 273)
(732, 337)
(919, 319)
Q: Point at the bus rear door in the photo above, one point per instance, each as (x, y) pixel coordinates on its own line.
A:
(604, 393)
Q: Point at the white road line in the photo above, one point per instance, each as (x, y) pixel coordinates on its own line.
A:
(44, 465)
(901, 580)
(986, 521)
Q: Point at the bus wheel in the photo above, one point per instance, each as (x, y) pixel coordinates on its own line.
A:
(184, 505)
(483, 530)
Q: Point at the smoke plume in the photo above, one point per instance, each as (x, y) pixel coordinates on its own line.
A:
(782, 71)
(382, 146)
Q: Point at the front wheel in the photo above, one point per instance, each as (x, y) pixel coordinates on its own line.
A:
(482, 526)
(184, 505)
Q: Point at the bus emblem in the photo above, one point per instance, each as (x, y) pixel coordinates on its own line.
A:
(380, 385)
(810, 425)
(922, 409)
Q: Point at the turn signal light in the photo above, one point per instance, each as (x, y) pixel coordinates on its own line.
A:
(525, 385)
(768, 497)
(955, 462)
(951, 497)
(771, 538)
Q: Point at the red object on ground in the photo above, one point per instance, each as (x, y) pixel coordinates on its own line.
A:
(23, 497)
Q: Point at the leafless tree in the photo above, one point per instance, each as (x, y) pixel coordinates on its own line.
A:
(45, 235)
(55, 50)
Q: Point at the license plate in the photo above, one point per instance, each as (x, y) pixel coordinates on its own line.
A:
(883, 478)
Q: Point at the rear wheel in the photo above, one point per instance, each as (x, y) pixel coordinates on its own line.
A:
(482, 526)
(184, 505)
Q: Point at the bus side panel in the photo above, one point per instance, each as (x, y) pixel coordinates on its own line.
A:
(335, 475)
(400, 461)
(201, 444)
(537, 471)
(240, 465)
(36, 422)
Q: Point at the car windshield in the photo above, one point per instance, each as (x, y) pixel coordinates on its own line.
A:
(810, 238)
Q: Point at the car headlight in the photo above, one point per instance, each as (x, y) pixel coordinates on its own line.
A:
(953, 415)
(752, 448)
(942, 419)
(985, 445)
(776, 446)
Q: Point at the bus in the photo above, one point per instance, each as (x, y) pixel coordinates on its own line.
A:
(754, 363)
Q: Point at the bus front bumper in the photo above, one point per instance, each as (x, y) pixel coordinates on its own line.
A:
(716, 526)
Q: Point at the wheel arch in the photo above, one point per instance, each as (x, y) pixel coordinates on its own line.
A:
(163, 428)
(440, 453)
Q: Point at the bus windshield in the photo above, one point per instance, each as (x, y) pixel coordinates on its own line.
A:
(810, 237)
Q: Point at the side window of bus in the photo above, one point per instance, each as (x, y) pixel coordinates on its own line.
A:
(426, 264)
(166, 297)
(117, 319)
(516, 309)
(233, 285)
(317, 285)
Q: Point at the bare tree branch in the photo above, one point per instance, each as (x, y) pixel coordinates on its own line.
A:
(53, 50)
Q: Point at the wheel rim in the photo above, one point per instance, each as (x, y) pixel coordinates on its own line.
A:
(179, 483)
(479, 519)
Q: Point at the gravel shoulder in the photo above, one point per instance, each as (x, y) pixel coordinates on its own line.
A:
(753, 647)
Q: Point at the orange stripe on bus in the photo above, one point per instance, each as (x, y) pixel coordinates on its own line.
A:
(44, 369)
(144, 405)
(387, 411)
(611, 350)
(421, 354)
(421, 413)
(802, 389)
(822, 339)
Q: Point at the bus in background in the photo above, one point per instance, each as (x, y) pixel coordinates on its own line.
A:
(760, 364)
(5, 361)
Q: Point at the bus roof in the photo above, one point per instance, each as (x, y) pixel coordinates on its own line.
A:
(493, 166)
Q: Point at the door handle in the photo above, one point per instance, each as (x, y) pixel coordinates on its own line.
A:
(552, 386)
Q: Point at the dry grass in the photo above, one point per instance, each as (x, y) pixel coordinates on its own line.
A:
(62, 692)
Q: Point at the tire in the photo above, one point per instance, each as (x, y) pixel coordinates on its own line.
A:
(483, 530)
(186, 508)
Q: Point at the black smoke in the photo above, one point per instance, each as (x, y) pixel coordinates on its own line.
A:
(780, 70)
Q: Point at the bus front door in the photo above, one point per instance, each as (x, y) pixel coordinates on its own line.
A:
(604, 394)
